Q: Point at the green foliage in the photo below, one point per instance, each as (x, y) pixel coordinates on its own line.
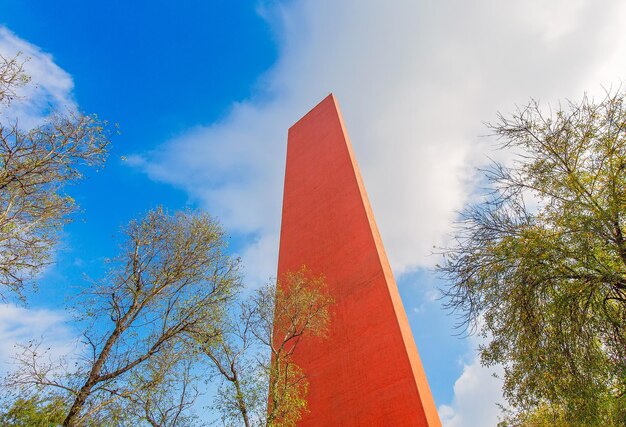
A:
(298, 307)
(34, 412)
(163, 391)
(12, 77)
(35, 166)
(166, 291)
(547, 415)
(253, 353)
(171, 279)
(546, 285)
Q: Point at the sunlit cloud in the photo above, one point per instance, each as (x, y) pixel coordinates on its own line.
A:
(19, 326)
(50, 87)
(415, 81)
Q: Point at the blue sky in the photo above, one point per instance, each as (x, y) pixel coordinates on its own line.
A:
(204, 91)
(156, 70)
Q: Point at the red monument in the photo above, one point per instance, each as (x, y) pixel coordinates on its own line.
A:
(367, 372)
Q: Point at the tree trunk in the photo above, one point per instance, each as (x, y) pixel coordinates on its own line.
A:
(93, 379)
(77, 406)
(241, 403)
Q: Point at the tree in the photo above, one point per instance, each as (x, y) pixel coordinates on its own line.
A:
(35, 166)
(539, 266)
(254, 353)
(239, 363)
(298, 307)
(165, 390)
(12, 77)
(172, 277)
(33, 412)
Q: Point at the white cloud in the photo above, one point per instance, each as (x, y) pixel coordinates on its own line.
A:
(415, 80)
(50, 88)
(19, 325)
(476, 394)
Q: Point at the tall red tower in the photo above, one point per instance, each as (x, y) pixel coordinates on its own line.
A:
(367, 372)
